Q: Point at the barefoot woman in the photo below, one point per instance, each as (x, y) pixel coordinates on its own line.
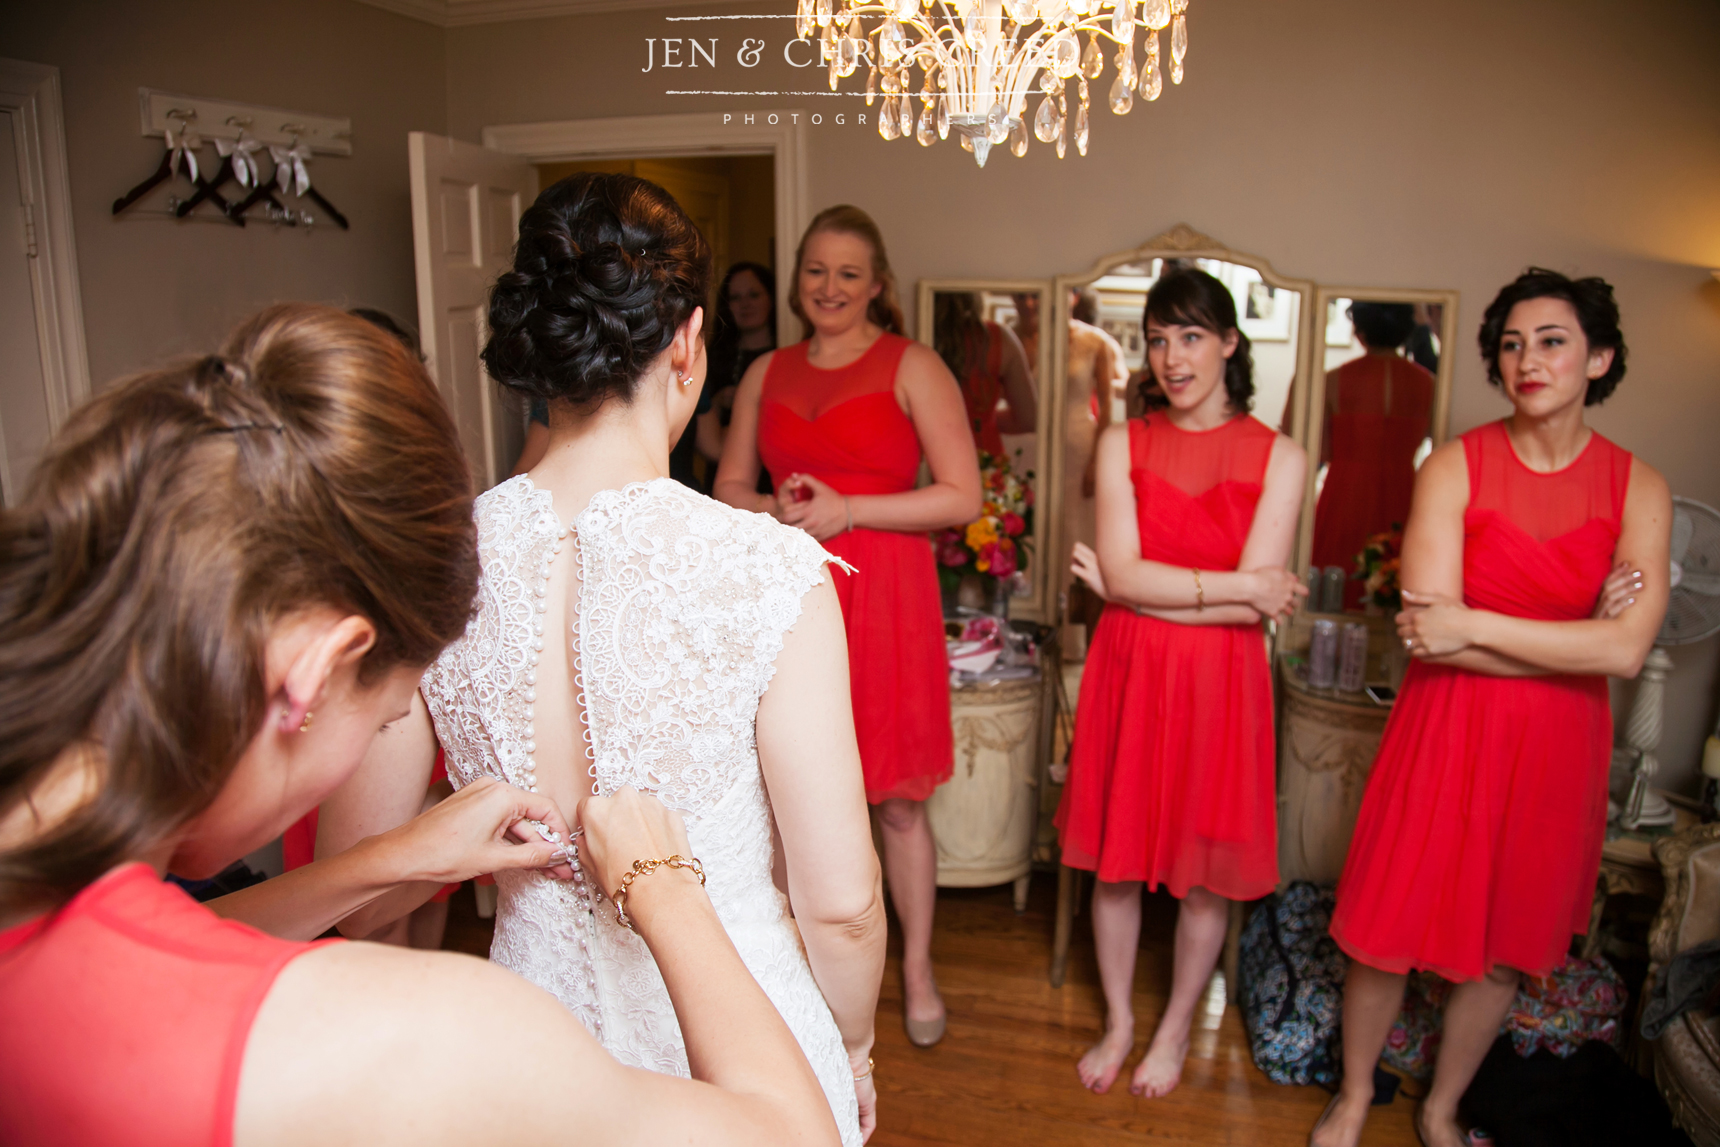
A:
(842, 420)
(1480, 835)
(1171, 774)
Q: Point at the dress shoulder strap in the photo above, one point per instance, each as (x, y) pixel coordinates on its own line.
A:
(1613, 464)
(1139, 429)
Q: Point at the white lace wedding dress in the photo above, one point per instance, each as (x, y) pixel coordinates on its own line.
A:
(681, 609)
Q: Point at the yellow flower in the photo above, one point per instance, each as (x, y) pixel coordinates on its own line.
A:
(981, 533)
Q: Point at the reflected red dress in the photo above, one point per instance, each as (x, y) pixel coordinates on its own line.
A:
(845, 428)
(1381, 408)
(1171, 770)
(1479, 837)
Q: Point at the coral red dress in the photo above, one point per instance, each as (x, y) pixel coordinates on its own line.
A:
(1479, 837)
(1171, 770)
(126, 1015)
(982, 389)
(845, 428)
(1381, 408)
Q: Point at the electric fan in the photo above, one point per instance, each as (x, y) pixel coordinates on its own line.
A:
(1692, 613)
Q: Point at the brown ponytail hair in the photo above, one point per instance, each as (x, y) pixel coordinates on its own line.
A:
(884, 310)
(172, 521)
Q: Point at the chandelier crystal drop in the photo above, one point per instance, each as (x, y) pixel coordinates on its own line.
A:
(980, 60)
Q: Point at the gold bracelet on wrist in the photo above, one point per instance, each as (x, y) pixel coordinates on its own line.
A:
(849, 509)
(1199, 592)
(867, 1074)
(645, 868)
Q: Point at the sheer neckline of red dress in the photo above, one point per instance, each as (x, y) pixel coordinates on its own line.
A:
(1511, 449)
(1197, 462)
(811, 392)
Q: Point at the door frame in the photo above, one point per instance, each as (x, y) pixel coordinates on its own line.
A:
(30, 96)
(649, 136)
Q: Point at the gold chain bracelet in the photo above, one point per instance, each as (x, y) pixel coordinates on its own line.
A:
(645, 868)
(867, 1074)
(1199, 592)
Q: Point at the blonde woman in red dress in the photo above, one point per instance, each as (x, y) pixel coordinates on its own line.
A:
(843, 418)
(1535, 565)
(1171, 771)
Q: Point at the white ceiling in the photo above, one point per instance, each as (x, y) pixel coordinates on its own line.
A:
(452, 13)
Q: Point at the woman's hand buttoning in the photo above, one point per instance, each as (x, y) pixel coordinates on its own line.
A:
(487, 826)
(626, 827)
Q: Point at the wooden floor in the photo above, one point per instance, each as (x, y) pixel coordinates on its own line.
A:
(1004, 1076)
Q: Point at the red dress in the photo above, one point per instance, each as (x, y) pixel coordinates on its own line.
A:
(1171, 770)
(845, 428)
(1381, 408)
(1479, 837)
(126, 1015)
(982, 389)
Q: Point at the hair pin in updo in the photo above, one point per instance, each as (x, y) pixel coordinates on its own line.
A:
(238, 426)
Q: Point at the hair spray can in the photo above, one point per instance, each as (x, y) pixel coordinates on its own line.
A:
(1353, 658)
(1323, 654)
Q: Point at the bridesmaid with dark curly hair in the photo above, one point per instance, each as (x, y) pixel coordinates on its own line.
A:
(1535, 566)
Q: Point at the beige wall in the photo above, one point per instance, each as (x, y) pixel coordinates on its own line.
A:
(153, 286)
(1350, 142)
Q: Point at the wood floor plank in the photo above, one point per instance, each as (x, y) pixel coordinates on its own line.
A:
(1004, 1075)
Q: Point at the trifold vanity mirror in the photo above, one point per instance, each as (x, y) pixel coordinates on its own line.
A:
(1361, 377)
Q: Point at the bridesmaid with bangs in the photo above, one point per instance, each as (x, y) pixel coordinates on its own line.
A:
(1171, 770)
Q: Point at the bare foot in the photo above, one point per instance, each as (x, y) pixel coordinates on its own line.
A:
(1341, 1125)
(1099, 1067)
(1439, 1130)
(1159, 1073)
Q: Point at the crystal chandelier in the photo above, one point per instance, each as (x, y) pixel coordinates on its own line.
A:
(978, 67)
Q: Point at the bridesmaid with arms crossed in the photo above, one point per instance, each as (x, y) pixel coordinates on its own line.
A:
(1535, 565)
(1171, 773)
(844, 418)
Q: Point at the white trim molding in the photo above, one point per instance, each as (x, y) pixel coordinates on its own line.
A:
(461, 13)
(704, 133)
(30, 95)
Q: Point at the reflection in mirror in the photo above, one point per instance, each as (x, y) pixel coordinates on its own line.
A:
(990, 335)
(976, 333)
(1376, 423)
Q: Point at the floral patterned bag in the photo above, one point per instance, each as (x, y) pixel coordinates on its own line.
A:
(1292, 980)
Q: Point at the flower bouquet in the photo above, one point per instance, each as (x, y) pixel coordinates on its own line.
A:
(996, 543)
(1377, 569)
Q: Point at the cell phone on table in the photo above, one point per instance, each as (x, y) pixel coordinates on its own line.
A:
(1382, 694)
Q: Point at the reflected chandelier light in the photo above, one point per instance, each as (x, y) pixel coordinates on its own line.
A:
(978, 67)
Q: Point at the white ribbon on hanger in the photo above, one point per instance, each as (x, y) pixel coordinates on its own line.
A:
(184, 145)
(244, 155)
(290, 170)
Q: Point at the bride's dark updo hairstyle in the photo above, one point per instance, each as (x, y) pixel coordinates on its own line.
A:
(1189, 297)
(607, 268)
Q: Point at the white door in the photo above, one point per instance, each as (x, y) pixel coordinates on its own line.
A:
(466, 204)
(26, 421)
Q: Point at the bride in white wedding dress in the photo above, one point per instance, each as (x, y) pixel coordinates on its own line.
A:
(629, 631)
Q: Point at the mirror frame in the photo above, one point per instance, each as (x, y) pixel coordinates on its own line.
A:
(1037, 606)
(1439, 426)
(1180, 242)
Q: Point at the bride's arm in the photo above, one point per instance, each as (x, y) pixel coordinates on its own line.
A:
(812, 770)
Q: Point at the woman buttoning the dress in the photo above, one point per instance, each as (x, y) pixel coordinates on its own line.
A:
(1535, 565)
(632, 632)
(843, 419)
(219, 591)
(1171, 772)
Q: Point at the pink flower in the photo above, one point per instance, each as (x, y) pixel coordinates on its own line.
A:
(1013, 524)
(1003, 562)
(951, 551)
